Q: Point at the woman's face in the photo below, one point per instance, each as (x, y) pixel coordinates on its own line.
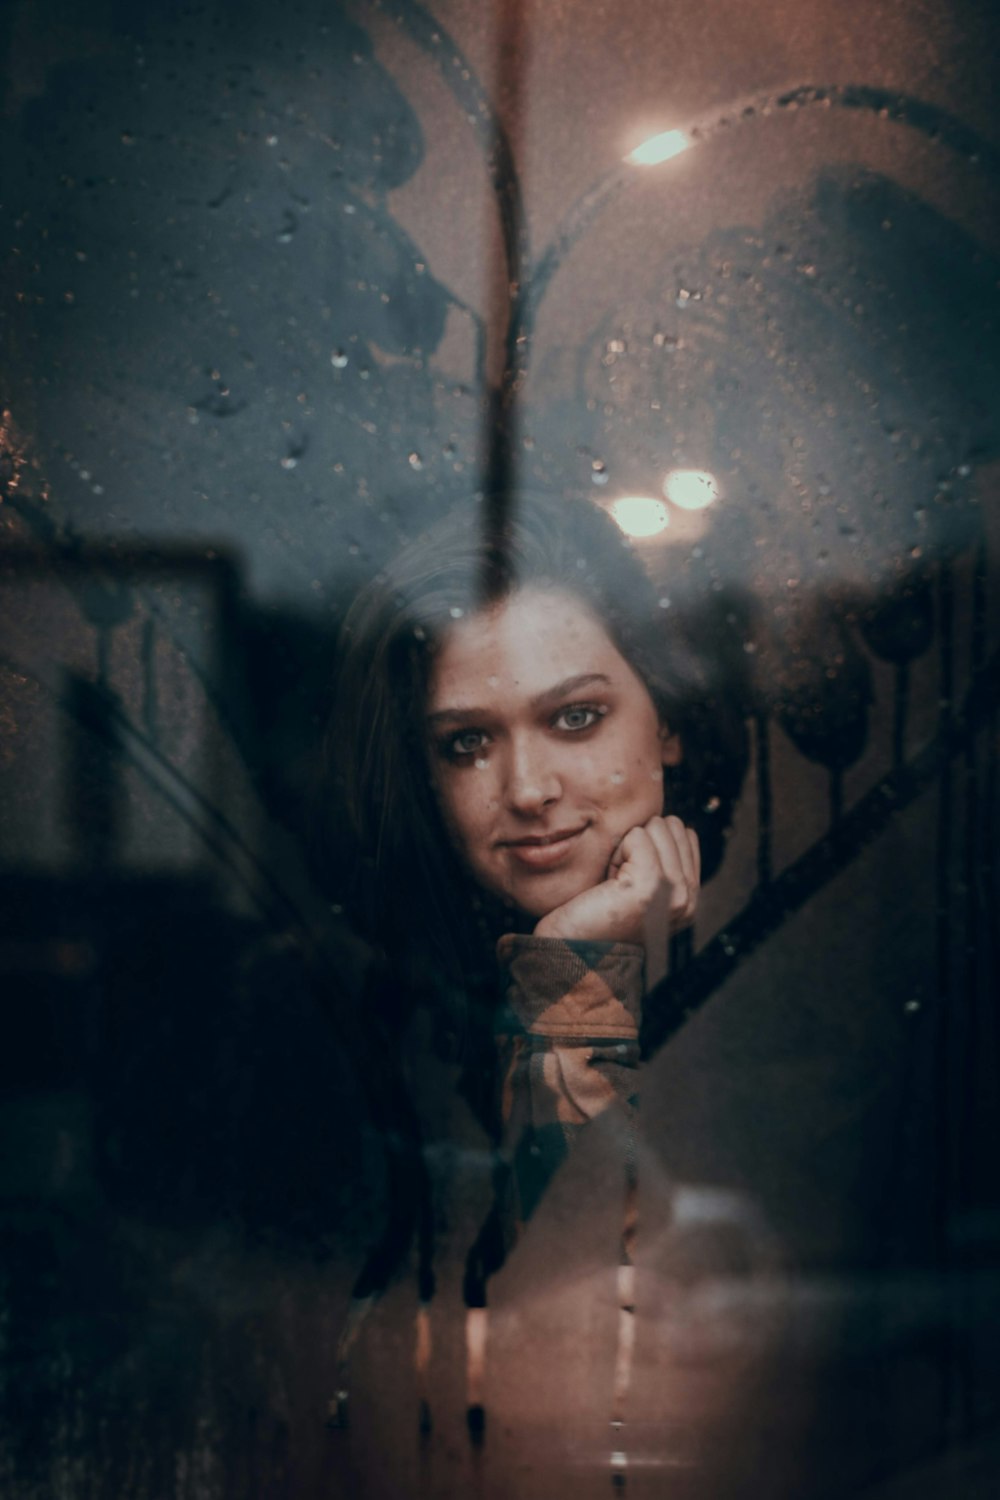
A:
(545, 745)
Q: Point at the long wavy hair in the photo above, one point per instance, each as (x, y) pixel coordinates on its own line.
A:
(398, 872)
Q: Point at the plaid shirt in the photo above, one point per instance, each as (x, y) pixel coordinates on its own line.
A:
(568, 1043)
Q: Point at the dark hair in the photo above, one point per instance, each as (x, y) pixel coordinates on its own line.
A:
(406, 887)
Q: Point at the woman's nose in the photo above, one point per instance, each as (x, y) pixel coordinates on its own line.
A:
(532, 781)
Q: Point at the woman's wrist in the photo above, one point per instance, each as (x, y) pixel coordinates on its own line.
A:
(566, 926)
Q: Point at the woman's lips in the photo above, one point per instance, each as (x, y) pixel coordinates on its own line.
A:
(545, 851)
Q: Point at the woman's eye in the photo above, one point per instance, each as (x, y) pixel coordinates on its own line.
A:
(579, 716)
(468, 742)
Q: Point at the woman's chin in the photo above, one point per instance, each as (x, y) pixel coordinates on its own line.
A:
(536, 881)
(545, 894)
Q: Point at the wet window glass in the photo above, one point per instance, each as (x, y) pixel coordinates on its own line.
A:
(498, 748)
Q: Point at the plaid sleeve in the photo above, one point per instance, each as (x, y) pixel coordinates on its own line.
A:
(568, 1043)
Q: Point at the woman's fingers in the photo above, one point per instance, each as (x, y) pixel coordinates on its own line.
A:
(670, 860)
(680, 860)
(615, 910)
(643, 871)
(685, 842)
(695, 848)
(637, 862)
(652, 887)
(673, 850)
(687, 845)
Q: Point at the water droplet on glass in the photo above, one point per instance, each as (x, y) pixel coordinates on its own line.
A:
(455, 612)
(599, 471)
(289, 461)
(481, 765)
(419, 633)
(415, 461)
(338, 359)
(664, 602)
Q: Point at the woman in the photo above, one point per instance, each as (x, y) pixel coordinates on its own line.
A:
(505, 739)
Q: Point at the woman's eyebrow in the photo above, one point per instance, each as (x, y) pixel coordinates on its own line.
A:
(541, 700)
(457, 715)
(569, 685)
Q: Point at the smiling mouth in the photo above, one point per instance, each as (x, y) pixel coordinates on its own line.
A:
(545, 851)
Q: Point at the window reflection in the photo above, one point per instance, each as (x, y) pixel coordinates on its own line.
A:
(286, 289)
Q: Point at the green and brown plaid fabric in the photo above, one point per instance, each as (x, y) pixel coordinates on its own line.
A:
(568, 1043)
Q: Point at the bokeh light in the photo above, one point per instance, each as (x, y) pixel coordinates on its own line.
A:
(640, 515)
(691, 489)
(659, 148)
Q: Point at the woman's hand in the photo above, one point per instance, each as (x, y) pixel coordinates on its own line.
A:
(651, 890)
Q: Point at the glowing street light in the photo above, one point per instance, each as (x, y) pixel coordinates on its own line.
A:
(691, 489)
(532, 282)
(640, 515)
(659, 148)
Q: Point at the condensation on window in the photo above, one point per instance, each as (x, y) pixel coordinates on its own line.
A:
(285, 288)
